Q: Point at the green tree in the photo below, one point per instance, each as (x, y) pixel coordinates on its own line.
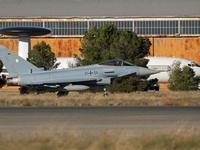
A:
(42, 56)
(107, 43)
(182, 79)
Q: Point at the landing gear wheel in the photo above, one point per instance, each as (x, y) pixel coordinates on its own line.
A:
(105, 92)
(62, 93)
(23, 90)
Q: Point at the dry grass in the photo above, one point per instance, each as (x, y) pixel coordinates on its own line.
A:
(150, 98)
(177, 140)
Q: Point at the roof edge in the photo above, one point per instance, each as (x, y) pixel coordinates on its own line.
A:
(97, 17)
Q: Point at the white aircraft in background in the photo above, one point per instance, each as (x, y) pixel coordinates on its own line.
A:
(162, 63)
(66, 62)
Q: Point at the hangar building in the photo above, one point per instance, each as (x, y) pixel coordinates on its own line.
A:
(173, 26)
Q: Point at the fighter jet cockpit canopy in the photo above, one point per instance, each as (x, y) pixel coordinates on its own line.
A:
(193, 64)
(116, 62)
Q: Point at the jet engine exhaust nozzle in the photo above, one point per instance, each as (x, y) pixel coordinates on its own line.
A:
(12, 81)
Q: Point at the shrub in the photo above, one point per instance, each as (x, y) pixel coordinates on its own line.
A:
(182, 79)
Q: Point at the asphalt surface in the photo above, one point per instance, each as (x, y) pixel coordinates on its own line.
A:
(22, 121)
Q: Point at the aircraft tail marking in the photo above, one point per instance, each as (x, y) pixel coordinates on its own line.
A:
(15, 64)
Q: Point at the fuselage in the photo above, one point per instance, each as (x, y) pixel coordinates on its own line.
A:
(99, 73)
(79, 78)
(162, 64)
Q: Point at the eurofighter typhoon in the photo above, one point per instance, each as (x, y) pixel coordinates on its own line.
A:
(23, 73)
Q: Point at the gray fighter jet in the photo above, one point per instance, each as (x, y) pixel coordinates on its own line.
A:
(23, 73)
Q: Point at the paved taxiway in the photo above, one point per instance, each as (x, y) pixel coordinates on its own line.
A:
(94, 120)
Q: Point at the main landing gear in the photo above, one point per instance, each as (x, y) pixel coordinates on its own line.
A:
(62, 93)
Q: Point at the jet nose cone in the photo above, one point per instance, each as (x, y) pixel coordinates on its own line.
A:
(145, 71)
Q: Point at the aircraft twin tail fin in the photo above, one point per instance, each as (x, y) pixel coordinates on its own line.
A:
(15, 64)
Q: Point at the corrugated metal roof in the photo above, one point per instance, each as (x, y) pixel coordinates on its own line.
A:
(98, 8)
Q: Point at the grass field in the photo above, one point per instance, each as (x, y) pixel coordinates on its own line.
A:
(177, 140)
(150, 98)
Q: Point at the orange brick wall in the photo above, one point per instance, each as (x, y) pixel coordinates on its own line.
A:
(188, 48)
(183, 47)
(62, 47)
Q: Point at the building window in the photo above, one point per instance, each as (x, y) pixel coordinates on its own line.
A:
(143, 27)
(5, 24)
(162, 27)
(121, 25)
(189, 27)
(67, 27)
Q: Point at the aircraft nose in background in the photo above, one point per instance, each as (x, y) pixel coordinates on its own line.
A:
(145, 71)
